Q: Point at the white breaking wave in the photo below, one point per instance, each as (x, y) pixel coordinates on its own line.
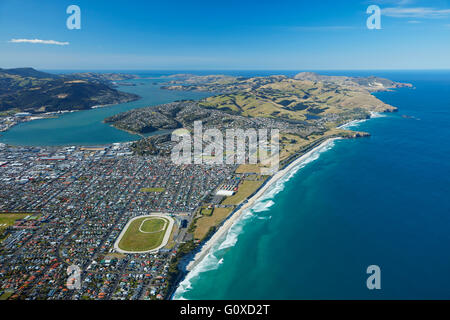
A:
(215, 258)
(262, 206)
(264, 218)
(356, 123)
(233, 233)
(352, 124)
(374, 114)
(210, 262)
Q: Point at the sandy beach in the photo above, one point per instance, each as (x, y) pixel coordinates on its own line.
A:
(249, 202)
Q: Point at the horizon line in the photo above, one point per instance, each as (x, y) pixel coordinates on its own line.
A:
(237, 69)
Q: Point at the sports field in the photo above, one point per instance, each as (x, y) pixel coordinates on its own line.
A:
(153, 190)
(8, 219)
(146, 233)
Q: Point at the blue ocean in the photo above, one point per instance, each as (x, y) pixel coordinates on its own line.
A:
(383, 200)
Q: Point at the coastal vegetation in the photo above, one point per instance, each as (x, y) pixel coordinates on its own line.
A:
(206, 223)
(174, 271)
(246, 189)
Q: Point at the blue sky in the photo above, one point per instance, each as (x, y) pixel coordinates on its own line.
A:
(215, 34)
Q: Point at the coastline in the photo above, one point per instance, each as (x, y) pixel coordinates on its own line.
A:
(248, 203)
(234, 217)
(56, 114)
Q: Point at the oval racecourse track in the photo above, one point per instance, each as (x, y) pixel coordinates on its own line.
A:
(139, 237)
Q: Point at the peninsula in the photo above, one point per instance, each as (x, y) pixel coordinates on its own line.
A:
(29, 90)
(308, 110)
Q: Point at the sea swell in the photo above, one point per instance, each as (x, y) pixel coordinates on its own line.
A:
(258, 211)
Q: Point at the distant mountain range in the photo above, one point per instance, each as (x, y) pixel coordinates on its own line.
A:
(30, 90)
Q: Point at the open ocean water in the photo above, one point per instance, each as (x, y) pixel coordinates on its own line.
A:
(383, 200)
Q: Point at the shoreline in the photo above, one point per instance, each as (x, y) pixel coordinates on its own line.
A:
(234, 217)
(248, 203)
(57, 114)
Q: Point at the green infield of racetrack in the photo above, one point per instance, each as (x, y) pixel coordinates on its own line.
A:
(135, 240)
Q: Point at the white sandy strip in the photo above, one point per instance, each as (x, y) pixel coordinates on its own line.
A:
(153, 215)
(229, 223)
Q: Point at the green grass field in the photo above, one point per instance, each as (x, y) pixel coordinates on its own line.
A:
(153, 225)
(206, 211)
(205, 223)
(6, 295)
(8, 219)
(144, 234)
(153, 189)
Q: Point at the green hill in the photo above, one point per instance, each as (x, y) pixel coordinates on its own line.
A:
(27, 89)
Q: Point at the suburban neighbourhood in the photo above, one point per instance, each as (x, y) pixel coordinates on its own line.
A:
(69, 204)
